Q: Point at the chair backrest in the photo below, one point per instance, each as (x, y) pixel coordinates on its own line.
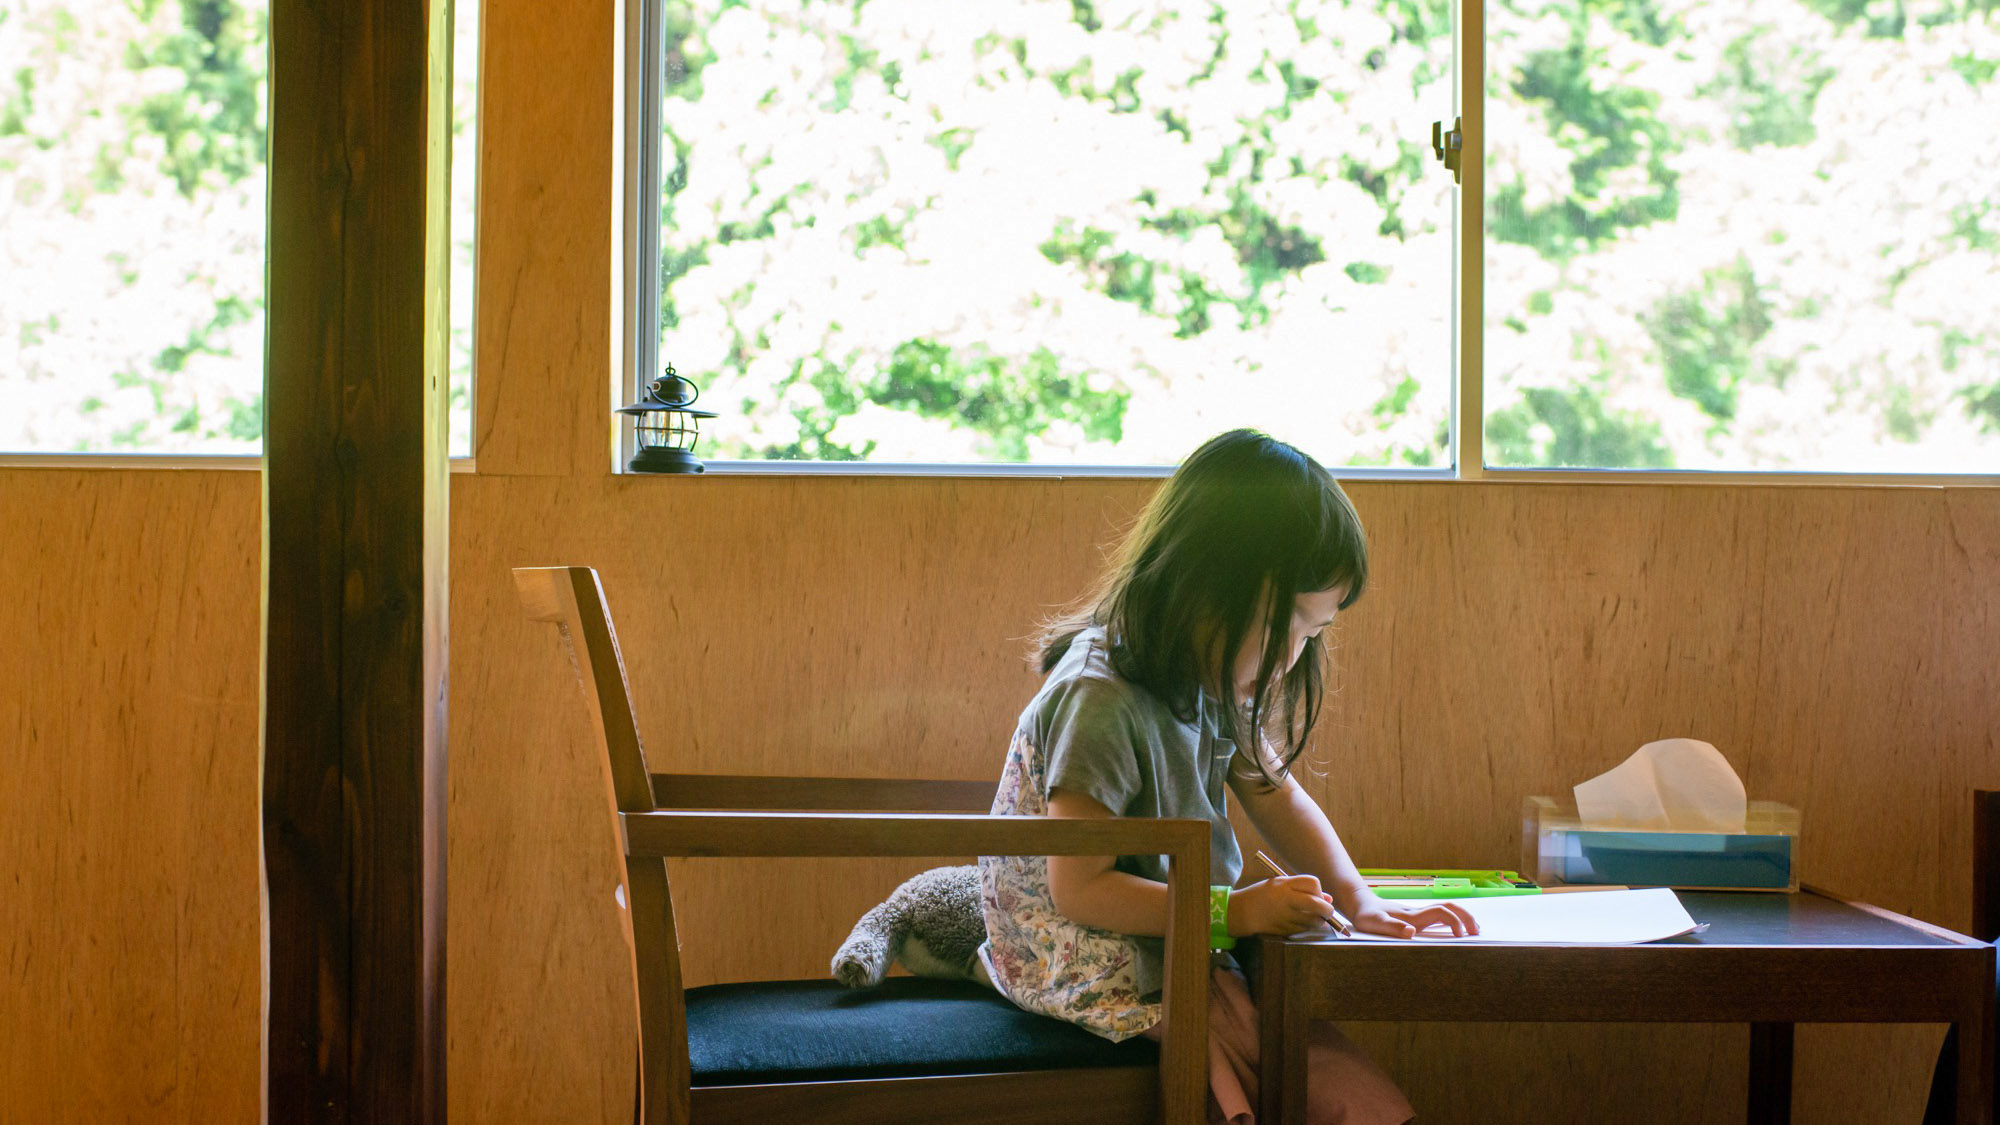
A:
(571, 598)
(1985, 864)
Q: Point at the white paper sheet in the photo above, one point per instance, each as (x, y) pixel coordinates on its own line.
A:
(1569, 918)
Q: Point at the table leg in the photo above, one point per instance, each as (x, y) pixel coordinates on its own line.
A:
(1975, 1064)
(1770, 1073)
(1281, 1049)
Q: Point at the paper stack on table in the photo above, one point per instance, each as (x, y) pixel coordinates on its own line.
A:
(1582, 918)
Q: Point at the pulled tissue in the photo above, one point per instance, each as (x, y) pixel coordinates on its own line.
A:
(1677, 784)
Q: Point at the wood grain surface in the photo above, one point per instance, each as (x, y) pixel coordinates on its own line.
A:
(128, 702)
(549, 221)
(1517, 638)
(355, 530)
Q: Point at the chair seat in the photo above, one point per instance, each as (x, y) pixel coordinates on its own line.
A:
(905, 1027)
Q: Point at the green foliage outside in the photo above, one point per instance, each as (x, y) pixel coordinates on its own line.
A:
(1743, 235)
(1718, 237)
(1033, 231)
(132, 150)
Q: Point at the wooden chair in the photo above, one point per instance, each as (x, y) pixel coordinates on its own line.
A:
(909, 1049)
(1985, 927)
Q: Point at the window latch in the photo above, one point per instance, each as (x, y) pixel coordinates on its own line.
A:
(1447, 145)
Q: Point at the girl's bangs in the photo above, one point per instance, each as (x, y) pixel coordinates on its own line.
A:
(1334, 552)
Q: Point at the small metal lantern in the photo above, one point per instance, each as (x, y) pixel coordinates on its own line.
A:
(664, 427)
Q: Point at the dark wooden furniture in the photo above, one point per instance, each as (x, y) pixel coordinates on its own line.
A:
(685, 1035)
(1986, 864)
(1985, 927)
(1767, 960)
(355, 581)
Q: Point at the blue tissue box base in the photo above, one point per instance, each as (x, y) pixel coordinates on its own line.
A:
(1667, 859)
(1558, 850)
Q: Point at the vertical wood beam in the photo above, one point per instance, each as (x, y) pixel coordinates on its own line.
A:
(354, 561)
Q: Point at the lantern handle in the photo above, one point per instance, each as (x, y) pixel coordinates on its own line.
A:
(660, 389)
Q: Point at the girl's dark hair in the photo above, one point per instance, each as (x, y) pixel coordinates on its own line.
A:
(1243, 514)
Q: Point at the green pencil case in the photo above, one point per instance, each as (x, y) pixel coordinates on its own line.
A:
(1419, 882)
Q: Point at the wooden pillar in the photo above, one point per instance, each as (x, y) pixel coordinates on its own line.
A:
(354, 561)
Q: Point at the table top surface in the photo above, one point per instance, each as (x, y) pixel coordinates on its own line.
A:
(1806, 918)
(1743, 919)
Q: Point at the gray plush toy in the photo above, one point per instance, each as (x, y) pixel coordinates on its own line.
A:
(933, 924)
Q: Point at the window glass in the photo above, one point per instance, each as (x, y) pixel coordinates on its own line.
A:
(465, 16)
(1743, 235)
(1067, 231)
(132, 175)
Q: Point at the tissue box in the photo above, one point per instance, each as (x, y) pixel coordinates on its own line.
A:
(1556, 849)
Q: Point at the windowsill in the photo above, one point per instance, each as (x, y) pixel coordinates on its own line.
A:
(242, 462)
(986, 471)
(946, 470)
(1355, 473)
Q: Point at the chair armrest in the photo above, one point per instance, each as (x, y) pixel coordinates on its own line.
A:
(1185, 843)
(825, 794)
(716, 834)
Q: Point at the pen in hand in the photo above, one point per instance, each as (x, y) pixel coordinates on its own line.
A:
(1340, 925)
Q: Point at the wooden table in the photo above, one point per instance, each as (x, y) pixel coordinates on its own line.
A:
(1769, 960)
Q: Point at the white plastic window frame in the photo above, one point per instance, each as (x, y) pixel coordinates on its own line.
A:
(641, 60)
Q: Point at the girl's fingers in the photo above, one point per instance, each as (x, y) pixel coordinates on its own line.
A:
(1450, 915)
(1471, 923)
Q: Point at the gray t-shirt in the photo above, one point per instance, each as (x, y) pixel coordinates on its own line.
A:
(1115, 742)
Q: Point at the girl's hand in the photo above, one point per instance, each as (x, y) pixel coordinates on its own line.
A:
(1377, 916)
(1280, 905)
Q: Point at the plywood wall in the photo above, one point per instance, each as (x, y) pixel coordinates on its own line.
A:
(128, 796)
(1516, 639)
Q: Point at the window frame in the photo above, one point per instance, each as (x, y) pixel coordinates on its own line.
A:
(642, 60)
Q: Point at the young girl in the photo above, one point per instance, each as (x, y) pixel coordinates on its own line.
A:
(1196, 665)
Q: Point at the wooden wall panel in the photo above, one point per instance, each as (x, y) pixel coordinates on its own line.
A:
(1836, 644)
(1525, 638)
(128, 701)
(549, 219)
(1516, 639)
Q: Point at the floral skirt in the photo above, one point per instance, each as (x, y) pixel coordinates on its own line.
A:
(1343, 1085)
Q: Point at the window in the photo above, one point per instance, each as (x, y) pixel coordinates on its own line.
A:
(1740, 236)
(1743, 236)
(132, 142)
(1069, 232)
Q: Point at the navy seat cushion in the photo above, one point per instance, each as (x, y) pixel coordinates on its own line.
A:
(905, 1027)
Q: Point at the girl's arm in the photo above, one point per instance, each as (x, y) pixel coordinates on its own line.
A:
(1295, 825)
(1090, 890)
(1298, 830)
